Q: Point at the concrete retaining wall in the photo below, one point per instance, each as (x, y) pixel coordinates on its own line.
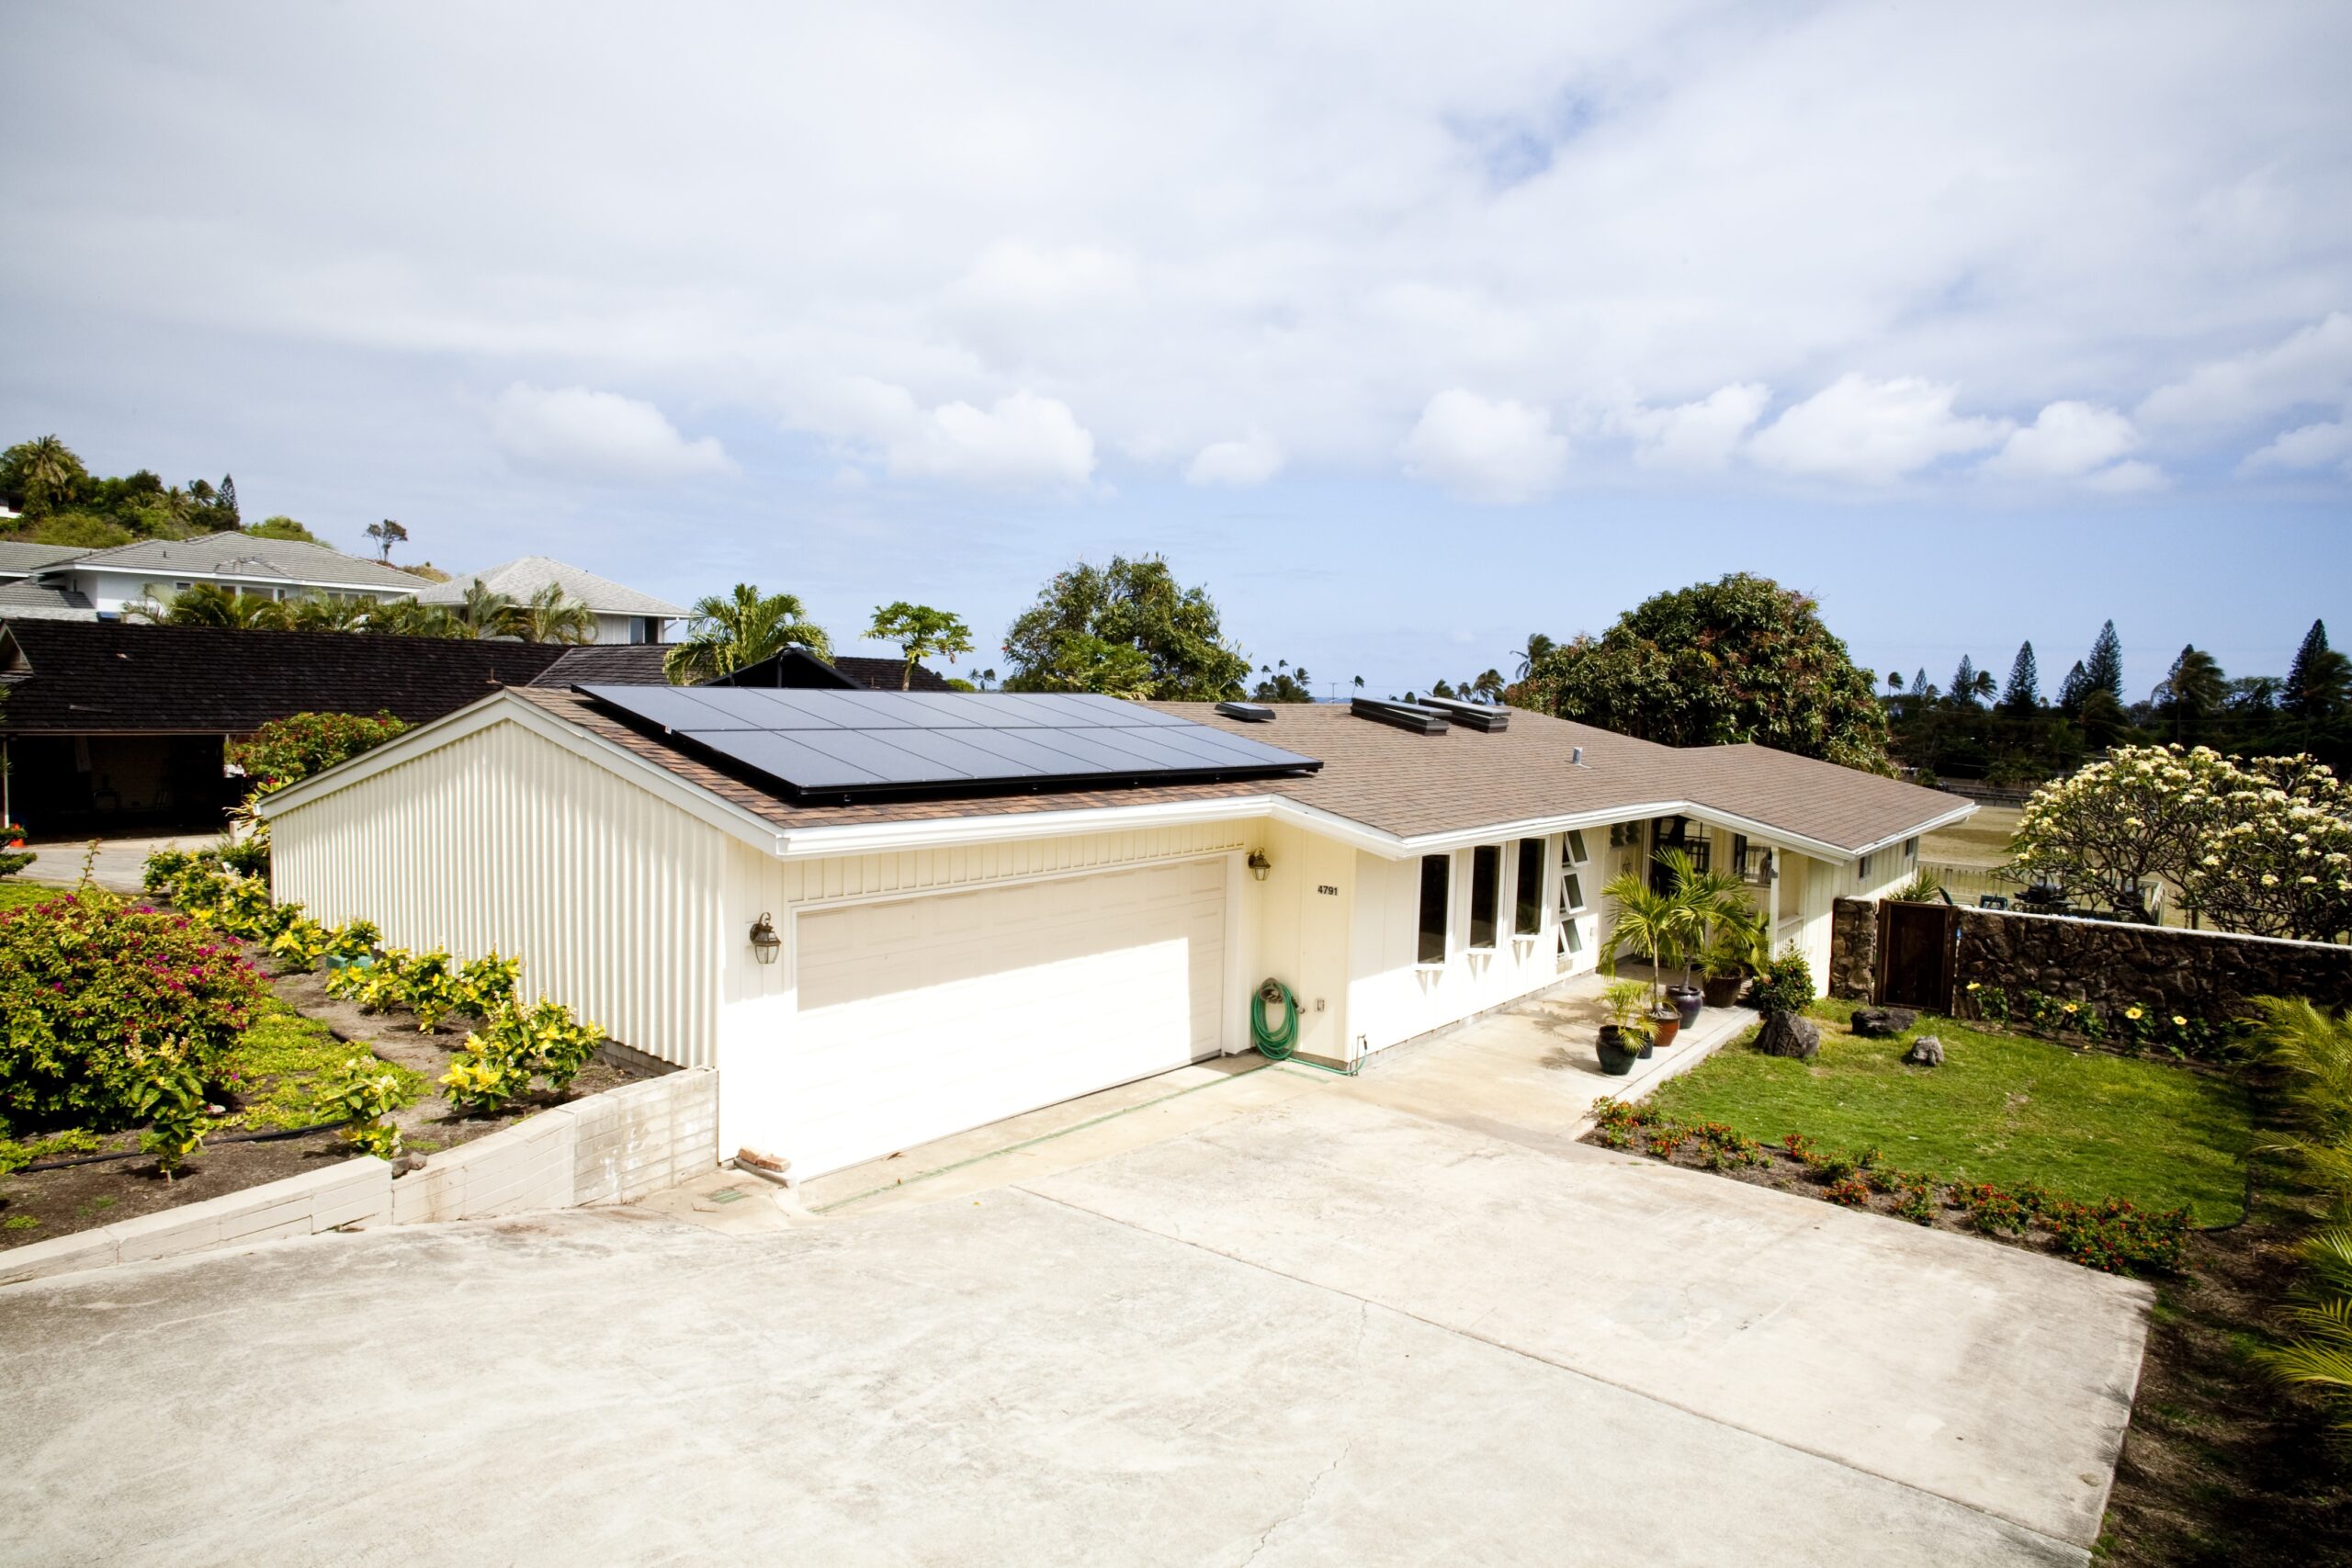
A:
(613, 1147)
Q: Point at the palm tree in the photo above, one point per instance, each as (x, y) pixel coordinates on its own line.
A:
(48, 473)
(548, 616)
(1705, 900)
(1538, 645)
(484, 611)
(743, 628)
(210, 605)
(406, 617)
(1648, 921)
(323, 615)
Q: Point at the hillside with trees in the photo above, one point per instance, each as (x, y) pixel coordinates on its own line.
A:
(60, 501)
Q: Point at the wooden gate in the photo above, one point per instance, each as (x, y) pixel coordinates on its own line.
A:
(1918, 952)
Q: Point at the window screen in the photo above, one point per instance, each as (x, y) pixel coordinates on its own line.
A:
(1486, 893)
(1527, 898)
(1437, 878)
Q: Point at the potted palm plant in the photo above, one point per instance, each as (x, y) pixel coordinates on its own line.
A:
(1621, 1043)
(1702, 901)
(1739, 947)
(1651, 923)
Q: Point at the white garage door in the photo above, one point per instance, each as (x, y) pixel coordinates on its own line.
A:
(926, 1016)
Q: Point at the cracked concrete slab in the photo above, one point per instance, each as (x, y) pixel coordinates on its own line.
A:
(1995, 1378)
(1008, 1379)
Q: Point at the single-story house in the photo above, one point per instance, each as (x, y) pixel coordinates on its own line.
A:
(888, 917)
(623, 615)
(101, 584)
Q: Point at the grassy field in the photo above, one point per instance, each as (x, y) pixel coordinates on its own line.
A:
(16, 892)
(2002, 1109)
(1982, 840)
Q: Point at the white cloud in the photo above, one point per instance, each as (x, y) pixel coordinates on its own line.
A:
(2308, 447)
(1021, 441)
(2066, 441)
(1700, 435)
(575, 431)
(1252, 460)
(1490, 449)
(2131, 477)
(2312, 366)
(1871, 432)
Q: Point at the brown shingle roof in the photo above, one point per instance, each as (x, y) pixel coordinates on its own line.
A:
(1410, 786)
(1414, 785)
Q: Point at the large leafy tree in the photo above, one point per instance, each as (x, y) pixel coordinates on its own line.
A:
(1739, 660)
(920, 632)
(726, 634)
(2278, 861)
(1126, 629)
(2106, 835)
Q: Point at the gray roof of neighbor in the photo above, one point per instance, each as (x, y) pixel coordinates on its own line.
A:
(17, 557)
(1410, 785)
(523, 578)
(30, 602)
(232, 554)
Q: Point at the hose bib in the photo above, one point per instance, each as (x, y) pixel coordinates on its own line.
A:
(1274, 1045)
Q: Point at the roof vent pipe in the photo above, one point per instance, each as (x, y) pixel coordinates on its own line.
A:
(1575, 757)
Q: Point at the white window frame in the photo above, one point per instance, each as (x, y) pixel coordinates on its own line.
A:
(1420, 883)
(1566, 915)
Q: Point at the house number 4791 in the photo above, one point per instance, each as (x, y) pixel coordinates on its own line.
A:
(1326, 890)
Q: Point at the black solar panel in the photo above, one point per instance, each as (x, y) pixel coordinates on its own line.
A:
(848, 745)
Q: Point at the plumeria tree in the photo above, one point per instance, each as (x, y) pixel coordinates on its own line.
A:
(2279, 862)
(2106, 835)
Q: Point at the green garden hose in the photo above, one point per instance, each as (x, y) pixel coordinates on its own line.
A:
(1273, 1044)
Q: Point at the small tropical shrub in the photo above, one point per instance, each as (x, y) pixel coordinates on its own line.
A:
(1786, 986)
(1918, 1203)
(488, 982)
(367, 1095)
(172, 1101)
(431, 988)
(2311, 1051)
(1851, 1192)
(101, 1000)
(1992, 1210)
(516, 1043)
(14, 861)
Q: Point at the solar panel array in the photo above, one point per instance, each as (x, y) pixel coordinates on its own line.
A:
(849, 744)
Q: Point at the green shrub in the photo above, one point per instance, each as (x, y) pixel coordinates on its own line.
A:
(2119, 1237)
(1786, 986)
(489, 982)
(431, 988)
(366, 1094)
(15, 861)
(293, 748)
(172, 1101)
(516, 1043)
(247, 857)
(101, 1000)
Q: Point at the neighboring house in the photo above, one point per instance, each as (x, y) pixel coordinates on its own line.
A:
(643, 665)
(107, 727)
(985, 903)
(623, 615)
(111, 580)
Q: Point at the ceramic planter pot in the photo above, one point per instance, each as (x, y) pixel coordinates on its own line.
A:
(1687, 1000)
(1619, 1049)
(1722, 990)
(1665, 1025)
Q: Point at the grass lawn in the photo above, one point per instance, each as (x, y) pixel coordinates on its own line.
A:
(15, 892)
(2002, 1109)
(289, 1059)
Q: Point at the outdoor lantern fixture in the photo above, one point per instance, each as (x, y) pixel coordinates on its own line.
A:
(1258, 864)
(765, 942)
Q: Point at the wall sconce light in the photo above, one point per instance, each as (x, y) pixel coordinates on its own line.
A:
(766, 943)
(1258, 864)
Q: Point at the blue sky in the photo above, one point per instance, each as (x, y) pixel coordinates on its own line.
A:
(1406, 333)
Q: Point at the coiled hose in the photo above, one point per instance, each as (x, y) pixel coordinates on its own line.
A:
(1274, 1045)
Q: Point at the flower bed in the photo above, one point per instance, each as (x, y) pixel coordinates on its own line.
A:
(2135, 1026)
(2111, 1235)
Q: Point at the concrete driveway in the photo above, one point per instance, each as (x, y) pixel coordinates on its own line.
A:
(1321, 1330)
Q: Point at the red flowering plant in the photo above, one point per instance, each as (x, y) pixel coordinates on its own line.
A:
(102, 999)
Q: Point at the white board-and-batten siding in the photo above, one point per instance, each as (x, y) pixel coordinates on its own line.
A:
(624, 906)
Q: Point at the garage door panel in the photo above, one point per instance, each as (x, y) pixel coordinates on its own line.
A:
(925, 1016)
